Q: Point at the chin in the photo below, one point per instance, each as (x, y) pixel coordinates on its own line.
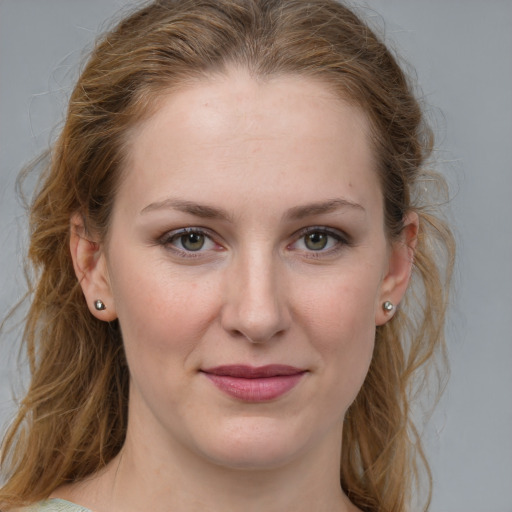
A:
(256, 445)
(251, 458)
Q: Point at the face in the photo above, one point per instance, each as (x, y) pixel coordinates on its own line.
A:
(247, 264)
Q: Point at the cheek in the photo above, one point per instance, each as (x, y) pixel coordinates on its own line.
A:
(343, 309)
(341, 325)
(160, 311)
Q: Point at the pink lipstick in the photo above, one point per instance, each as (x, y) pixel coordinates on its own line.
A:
(255, 384)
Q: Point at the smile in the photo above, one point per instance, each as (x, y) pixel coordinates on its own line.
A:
(255, 384)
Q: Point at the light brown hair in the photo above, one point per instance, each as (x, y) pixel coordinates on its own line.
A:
(72, 420)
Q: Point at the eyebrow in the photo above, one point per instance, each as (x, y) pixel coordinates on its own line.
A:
(196, 209)
(300, 212)
(211, 212)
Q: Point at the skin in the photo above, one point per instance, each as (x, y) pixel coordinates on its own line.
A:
(269, 160)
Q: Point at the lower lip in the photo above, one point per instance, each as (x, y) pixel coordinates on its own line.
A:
(255, 390)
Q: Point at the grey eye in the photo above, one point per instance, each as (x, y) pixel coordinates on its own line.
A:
(316, 241)
(192, 241)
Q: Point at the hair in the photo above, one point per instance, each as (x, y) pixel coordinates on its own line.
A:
(73, 419)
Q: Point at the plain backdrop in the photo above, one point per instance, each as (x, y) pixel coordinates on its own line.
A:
(462, 53)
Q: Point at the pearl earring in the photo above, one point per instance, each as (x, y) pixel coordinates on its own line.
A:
(99, 305)
(388, 306)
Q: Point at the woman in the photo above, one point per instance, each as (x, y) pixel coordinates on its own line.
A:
(238, 275)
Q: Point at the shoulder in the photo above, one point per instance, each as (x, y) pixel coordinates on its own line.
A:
(53, 505)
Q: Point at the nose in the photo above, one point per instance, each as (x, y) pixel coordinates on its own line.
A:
(256, 307)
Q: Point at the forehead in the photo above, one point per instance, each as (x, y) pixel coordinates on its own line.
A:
(288, 133)
(235, 99)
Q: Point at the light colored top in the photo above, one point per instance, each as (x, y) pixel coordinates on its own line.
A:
(54, 505)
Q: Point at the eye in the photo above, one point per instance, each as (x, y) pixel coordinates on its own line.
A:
(316, 241)
(192, 241)
(319, 240)
(189, 240)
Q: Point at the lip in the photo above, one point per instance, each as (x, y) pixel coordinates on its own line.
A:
(255, 384)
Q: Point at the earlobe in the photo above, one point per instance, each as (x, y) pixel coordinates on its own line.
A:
(401, 260)
(91, 270)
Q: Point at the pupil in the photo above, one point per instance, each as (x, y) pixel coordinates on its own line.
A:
(192, 241)
(316, 241)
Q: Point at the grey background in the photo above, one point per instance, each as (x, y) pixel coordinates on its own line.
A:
(462, 52)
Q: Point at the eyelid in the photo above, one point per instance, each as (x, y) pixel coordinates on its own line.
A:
(342, 240)
(168, 237)
(340, 236)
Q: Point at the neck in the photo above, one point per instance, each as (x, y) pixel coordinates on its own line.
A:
(140, 478)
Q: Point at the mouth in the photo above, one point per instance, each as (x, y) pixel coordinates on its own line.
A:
(255, 384)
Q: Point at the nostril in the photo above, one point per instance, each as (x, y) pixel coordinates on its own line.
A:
(258, 338)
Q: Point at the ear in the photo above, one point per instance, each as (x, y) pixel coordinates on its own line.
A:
(91, 269)
(401, 259)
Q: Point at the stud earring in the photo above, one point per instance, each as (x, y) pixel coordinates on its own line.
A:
(99, 305)
(388, 306)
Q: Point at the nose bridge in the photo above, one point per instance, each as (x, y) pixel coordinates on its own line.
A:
(256, 306)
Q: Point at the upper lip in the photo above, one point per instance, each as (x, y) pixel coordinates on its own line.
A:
(253, 372)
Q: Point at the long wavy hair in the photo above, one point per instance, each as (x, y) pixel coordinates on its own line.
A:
(73, 419)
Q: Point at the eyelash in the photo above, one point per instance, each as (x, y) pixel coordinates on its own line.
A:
(341, 240)
(169, 238)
